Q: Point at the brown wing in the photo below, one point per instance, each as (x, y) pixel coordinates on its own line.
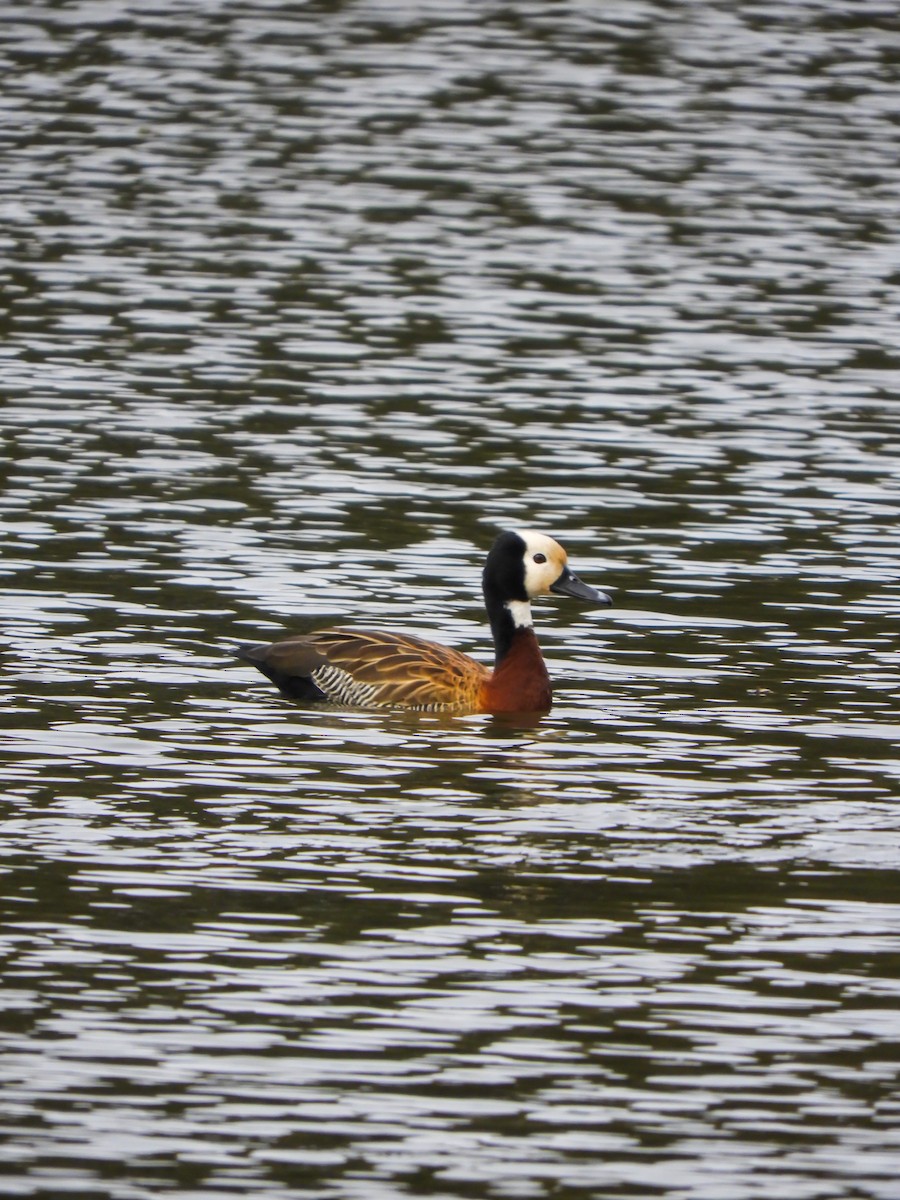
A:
(371, 667)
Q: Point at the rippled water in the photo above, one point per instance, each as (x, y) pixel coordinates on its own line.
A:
(301, 303)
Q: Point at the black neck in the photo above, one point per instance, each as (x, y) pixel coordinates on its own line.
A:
(503, 627)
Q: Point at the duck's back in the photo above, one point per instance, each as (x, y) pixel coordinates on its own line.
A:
(371, 668)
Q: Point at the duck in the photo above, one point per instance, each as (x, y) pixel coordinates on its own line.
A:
(366, 668)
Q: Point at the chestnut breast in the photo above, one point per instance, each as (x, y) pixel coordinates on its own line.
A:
(520, 682)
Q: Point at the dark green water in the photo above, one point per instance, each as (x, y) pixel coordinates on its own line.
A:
(300, 304)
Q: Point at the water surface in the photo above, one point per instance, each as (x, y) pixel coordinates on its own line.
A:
(301, 304)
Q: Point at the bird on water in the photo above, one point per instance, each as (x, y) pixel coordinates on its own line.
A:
(376, 669)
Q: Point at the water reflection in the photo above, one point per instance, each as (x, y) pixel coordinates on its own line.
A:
(301, 303)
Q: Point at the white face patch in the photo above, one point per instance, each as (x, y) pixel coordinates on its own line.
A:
(544, 562)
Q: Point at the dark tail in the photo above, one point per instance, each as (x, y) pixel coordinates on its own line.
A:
(292, 687)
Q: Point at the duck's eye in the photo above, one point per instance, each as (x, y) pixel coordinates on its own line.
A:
(540, 558)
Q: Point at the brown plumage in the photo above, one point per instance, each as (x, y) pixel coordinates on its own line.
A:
(372, 669)
(375, 669)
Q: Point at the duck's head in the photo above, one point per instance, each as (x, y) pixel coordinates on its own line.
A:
(523, 564)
